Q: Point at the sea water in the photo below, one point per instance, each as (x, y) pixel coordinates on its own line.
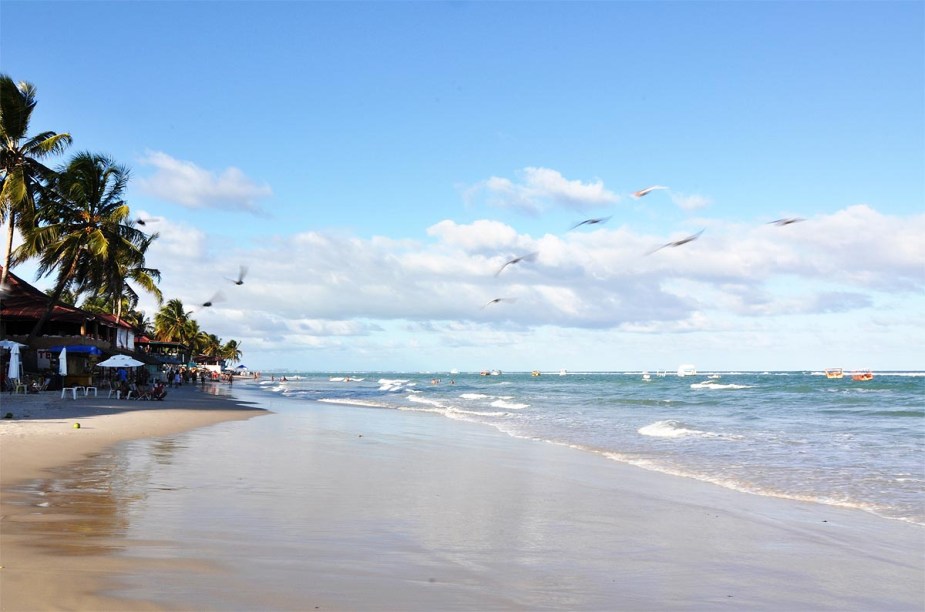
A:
(236, 517)
(795, 435)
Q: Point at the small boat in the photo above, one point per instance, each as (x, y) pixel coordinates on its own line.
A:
(646, 377)
(868, 375)
(562, 372)
(687, 369)
(834, 373)
(535, 373)
(496, 372)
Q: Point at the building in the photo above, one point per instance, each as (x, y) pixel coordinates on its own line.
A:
(89, 337)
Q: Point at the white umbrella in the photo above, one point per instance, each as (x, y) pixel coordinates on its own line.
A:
(14, 372)
(62, 362)
(120, 361)
(10, 344)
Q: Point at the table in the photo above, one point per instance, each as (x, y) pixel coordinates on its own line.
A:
(87, 391)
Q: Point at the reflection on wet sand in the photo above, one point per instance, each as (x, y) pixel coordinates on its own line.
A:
(92, 499)
(80, 510)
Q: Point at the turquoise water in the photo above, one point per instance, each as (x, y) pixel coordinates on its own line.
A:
(796, 435)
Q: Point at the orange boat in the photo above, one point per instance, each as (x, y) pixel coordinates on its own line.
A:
(868, 375)
(834, 373)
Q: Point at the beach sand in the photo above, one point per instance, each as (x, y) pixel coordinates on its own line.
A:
(418, 512)
(42, 436)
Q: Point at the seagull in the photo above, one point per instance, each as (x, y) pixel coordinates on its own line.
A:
(788, 221)
(678, 243)
(141, 221)
(241, 274)
(590, 222)
(498, 301)
(647, 190)
(218, 297)
(527, 257)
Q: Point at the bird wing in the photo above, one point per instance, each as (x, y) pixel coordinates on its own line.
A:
(218, 297)
(590, 222)
(643, 192)
(527, 257)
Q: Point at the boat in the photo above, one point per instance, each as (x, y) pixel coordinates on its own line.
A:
(687, 369)
(834, 373)
(535, 373)
(646, 377)
(562, 372)
(496, 372)
(868, 375)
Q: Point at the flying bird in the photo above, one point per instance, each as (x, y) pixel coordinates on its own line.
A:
(677, 243)
(218, 297)
(591, 222)
(241, 274)
(498, 301)
(788, 221)
(647, 190)
(527, 257)
(141, 221)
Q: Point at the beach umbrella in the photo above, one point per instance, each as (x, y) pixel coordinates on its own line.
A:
(120, 361)
(62, 362)
(10, 344)
(14, 372)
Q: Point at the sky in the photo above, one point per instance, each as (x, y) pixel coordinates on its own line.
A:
(375, 165)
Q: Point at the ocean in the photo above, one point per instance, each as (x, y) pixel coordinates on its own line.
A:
(797, 435)
(374, 490)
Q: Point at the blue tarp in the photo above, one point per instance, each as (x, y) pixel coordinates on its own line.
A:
(77, 348)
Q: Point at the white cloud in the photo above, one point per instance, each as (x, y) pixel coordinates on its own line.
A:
(690, 201)
(186, 184)
(478, 236)
(319, 290)
(541, 188)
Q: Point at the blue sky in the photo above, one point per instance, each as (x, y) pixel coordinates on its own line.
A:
(375, 164)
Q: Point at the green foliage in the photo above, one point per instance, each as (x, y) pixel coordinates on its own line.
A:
(76, 224)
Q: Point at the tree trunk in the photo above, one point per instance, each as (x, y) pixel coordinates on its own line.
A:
(9, 248)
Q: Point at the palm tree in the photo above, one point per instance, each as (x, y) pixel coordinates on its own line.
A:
(232, 351)
(190, 336)
(210, 345)
(170, 321)
(143, 325)
(82, 219)
(66, 297)
(125, 261)
(94, 303)
(22, 173)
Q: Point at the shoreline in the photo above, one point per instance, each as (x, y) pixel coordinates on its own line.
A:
(666, 541)
(40, 440)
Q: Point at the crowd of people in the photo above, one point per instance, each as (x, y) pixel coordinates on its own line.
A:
(137, 384)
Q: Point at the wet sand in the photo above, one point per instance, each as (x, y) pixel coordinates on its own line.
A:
(406, 512)
(40, 438)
